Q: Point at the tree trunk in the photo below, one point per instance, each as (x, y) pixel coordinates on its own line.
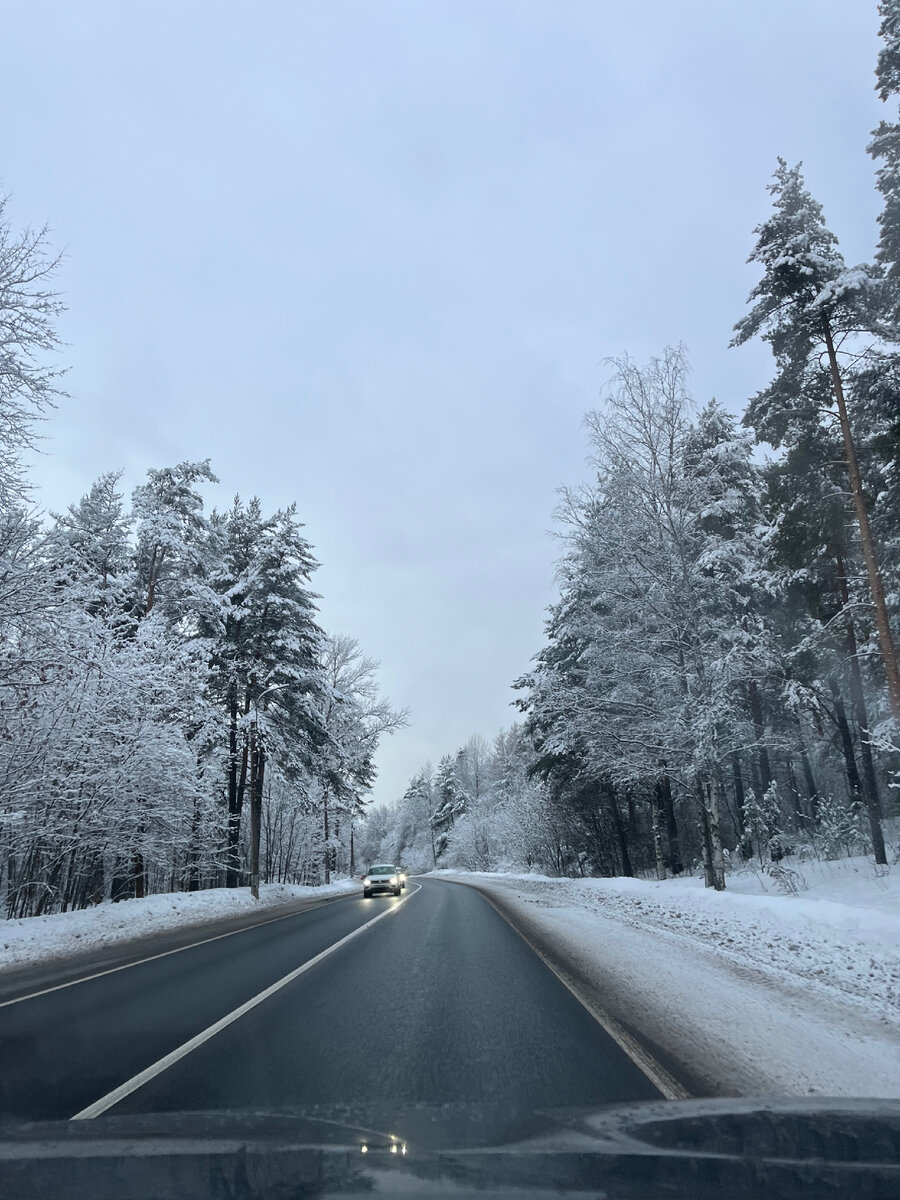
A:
(232, 859)
(746, 851)
(705, 847)
(656, 807)
(840, 717)
(759, 729)
(619, 828)
(812, 790)
(326, 835)
(257, 775)
(675, 864)
(139, 875)
(715, 836)
(858, 700)
(882, 622)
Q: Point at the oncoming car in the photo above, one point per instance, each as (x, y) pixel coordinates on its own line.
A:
(383, 877)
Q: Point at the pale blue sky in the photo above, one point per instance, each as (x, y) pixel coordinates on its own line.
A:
(370, 256)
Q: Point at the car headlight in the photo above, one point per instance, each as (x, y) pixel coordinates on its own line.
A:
(366, 880)
(394, 879)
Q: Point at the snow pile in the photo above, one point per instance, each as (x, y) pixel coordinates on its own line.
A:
(60, 935)
(752, 991)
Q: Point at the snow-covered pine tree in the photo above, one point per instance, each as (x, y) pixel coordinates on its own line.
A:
(809, 304)
(262, 632)
(89, 544)
(885, 149)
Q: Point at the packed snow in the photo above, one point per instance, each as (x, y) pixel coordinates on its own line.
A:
(60, 935)
(751, 990)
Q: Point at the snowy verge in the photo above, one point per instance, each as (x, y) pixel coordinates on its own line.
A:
(748, 992)
(32, 940)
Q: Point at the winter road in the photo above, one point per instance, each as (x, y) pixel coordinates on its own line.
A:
(437, 1000)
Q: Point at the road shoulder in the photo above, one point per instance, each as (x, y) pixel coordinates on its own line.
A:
(92, 941)
(720, 1026)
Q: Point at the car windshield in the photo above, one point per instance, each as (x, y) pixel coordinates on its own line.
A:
(471, 432)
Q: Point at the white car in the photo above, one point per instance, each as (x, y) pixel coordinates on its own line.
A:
(383, 877)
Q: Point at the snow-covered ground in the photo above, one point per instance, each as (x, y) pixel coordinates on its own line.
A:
(752, 990)
(37, 939)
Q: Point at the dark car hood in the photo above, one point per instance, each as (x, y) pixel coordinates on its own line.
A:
(695, 1148)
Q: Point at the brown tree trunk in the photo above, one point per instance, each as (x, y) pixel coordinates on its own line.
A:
(876, 586)
(858, 700)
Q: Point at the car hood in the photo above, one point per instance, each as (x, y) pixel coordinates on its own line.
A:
(739, 1148)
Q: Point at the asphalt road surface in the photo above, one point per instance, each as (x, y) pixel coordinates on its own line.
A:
(436, 1001)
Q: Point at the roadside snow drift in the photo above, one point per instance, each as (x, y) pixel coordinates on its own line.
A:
(60, 935)
(751, 991)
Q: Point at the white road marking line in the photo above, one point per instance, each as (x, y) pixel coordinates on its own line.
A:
(162, 1064)
(668, 1085)
(57, 987)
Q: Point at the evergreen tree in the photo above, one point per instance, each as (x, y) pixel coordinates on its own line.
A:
(885, 146)
(807, 303)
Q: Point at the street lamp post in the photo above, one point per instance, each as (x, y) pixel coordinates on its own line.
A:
(256, 789)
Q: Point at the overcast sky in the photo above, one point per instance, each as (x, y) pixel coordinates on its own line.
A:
(370, 255)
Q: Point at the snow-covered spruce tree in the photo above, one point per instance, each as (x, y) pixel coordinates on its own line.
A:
(171, 539)
(807, 305)
(582, 793)
(450, 804)
(263, 634)
(885, 147)
(762, 824)
(90, 547)
(840, 829)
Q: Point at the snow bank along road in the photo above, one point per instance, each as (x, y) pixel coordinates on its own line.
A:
(429, 998)
(737, 994)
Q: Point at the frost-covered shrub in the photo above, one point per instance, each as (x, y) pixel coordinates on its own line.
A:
(762, 824)
(842, 828)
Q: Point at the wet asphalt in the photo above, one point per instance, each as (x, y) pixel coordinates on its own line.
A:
(439, 1003)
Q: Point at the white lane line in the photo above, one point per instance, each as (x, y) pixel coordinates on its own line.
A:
(57, 987)
(162, 1064)
(668, 1085)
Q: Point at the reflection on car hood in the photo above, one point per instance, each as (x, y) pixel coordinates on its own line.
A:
(694, 1148)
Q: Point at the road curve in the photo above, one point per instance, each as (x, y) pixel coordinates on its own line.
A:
(440, 1002)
